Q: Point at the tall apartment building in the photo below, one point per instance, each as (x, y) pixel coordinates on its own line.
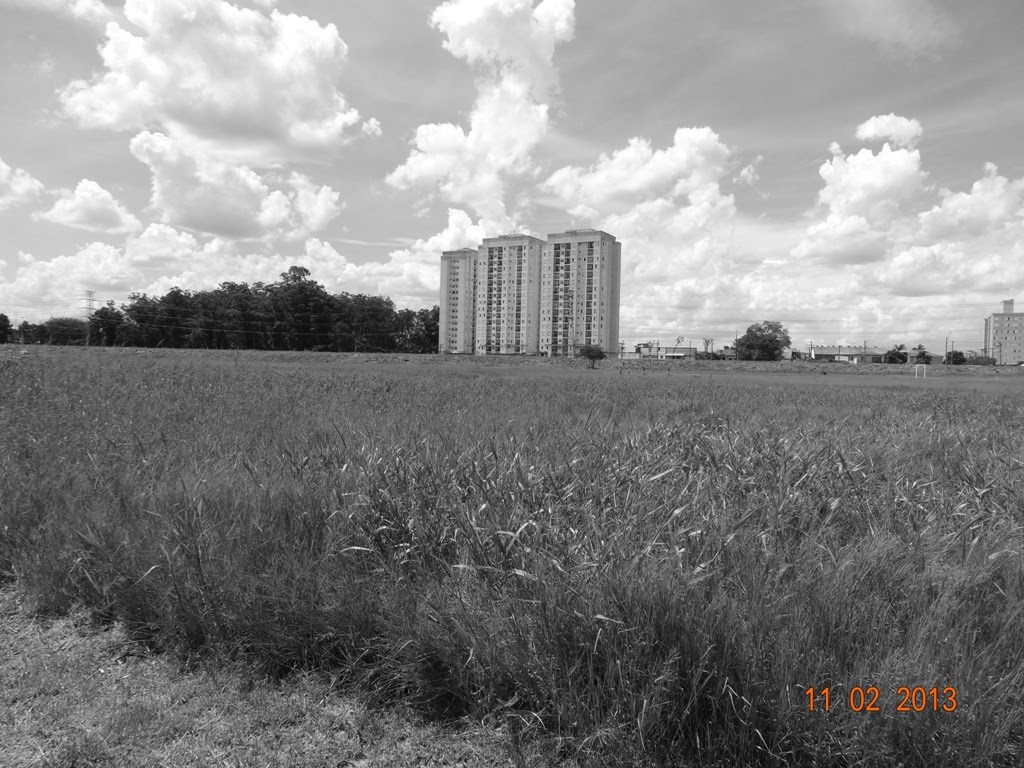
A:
(458, 301)
(508, 295)
(1004, 335)
(518, 294)
(579, 300)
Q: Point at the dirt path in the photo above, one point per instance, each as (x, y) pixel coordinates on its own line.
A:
(75, 695)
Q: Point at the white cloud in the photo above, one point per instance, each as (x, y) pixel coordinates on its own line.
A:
(514, 43)
(160, 245)
(508, 35)
(842, 239)
(17, 186)
(903, 131)
(900, 27)
(696, 158)
(471, 167)
(217, 77)
(409, 276)
(314, 206)
(97, 267)
(866, 201)
(875, 186)
(210, 196)
(994, 201)
(677, 229)
(924, 271)
(91, 207)
(748, 174)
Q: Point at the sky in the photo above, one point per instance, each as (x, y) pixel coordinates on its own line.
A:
(851, 168)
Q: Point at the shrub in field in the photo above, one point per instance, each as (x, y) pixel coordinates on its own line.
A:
(640, 571)
(592, 353)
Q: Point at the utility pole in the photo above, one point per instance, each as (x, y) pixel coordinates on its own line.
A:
(90, 298)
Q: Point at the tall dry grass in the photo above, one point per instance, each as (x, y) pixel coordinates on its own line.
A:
(633, 570)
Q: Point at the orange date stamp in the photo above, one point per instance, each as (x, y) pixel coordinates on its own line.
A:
(917, 698)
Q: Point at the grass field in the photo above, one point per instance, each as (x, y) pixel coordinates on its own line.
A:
(623, 567)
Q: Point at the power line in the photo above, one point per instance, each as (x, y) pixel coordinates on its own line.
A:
(696, 307)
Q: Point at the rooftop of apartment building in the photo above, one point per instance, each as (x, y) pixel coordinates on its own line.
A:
(513, 236)
(576, 233)
(569, 234)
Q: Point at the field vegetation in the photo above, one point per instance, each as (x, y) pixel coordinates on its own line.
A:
(616, 569)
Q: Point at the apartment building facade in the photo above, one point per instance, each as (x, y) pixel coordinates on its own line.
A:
(518, 294)
(508, 295)
(457, 324)
(579, 301)
(1004, 335)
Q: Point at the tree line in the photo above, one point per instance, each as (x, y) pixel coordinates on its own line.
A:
(295, 313)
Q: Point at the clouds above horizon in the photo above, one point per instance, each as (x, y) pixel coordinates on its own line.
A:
(210, 140)
(17, 186)
(92, 208)
(513, 43)
(220, 78)
(214, 197)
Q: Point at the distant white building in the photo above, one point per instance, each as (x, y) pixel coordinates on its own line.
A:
(458, 301)
(508, 295)
(518, 294)
(580, 290)
(1004, 335)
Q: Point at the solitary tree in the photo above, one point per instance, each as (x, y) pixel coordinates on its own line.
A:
(763, 341)
(956, 357)
(921, 356)
(5, 329)
(591, 353)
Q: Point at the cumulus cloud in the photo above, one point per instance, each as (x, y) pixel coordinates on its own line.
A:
(842, 239)
(216, 77)
(470, 168)
(508, 35)
(903, 131)
(875, 186)
(97, 267)
(91, 207)
(878, 218)
(994, 201)
(898, 27)
(211, 196)
(677, 228)
(513, 42)
(17, 186)
(866, 198)
(696, 158)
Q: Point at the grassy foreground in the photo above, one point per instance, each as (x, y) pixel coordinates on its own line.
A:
(625, 570)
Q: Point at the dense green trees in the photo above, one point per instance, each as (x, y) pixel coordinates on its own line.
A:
(295, 313)
(763, 341)
(896, 355)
